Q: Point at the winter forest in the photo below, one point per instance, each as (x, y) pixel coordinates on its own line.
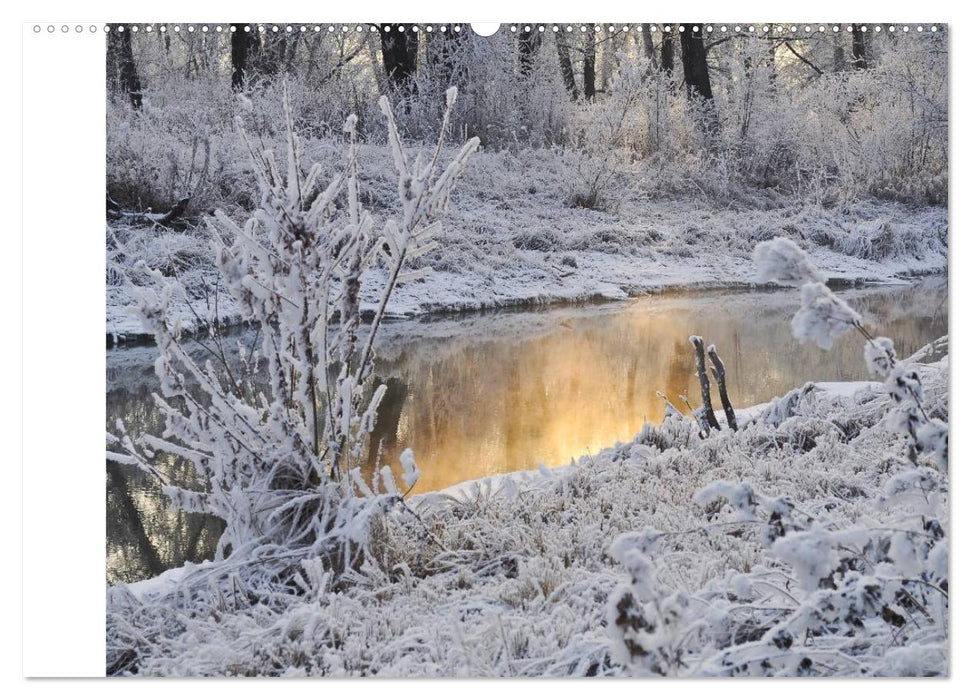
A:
(574, 350)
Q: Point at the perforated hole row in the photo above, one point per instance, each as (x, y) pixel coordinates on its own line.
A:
(457, 28)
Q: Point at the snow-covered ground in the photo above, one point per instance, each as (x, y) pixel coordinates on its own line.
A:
(512, 239)
(758, 552)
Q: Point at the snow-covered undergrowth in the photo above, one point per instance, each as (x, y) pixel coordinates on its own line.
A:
(808, 534)
(512, 239)
(811, 541)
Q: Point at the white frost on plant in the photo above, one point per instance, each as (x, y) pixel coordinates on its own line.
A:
(741, 497)
(781, 260)
(932, 438)
(281, 467)
(823, 316)
(880, 356)
(410, 472)
(609, 569)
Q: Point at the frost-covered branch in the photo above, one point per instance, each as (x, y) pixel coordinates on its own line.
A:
(709, 413)
(718, 370)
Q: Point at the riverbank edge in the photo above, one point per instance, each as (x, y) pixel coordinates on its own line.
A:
(119, 334)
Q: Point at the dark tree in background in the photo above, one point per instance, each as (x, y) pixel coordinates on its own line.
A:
(282, 47)
(694, 58)
(859, 48)
(529, 42)
(566, 67)
(121, 64)
(667, 53)
(399, 53)
(589, 64)
(649, 44)
(240, 44)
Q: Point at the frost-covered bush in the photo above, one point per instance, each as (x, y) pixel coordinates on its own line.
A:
(603, 138)
(823, 317)
(283, 469)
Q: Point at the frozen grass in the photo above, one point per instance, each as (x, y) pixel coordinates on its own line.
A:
(511, 238)
(514, 576)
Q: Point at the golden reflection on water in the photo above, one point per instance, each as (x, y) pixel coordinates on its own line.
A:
(584, 382)
(486, 394)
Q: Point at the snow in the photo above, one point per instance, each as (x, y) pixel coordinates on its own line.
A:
(880, 356)
(810, 539)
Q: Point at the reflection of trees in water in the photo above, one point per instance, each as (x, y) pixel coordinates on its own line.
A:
(927, 302)
(144, 536)
(488, 394)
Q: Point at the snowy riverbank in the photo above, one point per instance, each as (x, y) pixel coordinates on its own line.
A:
(511, 239)
(519, 575)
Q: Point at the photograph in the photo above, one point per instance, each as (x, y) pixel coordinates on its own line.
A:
(612, 350)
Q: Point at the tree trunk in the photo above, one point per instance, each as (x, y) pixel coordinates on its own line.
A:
(528, 50)
(612, 45)
(589, 64)
(707, 411)
(694, 59)
(718, 369)
(771, 63)
(239, 44)
(566, 67)
(649, 44)
(121, 65)
(377, 63)
(667, 53)
(839, 54)
(399, 52)
(859, 48)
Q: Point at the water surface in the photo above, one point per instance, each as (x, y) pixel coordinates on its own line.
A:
(483, 394)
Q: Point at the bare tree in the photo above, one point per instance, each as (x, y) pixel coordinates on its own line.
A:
(707, 412)
(240, 44)
(839, 54)
(442, 55)
(859, 61)
(667, 53)
(121, 64)
(649, 44)
(529, 42)
(589, 64)
(566, 67)
(399, 51)
(718, 370)
(694, 59)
